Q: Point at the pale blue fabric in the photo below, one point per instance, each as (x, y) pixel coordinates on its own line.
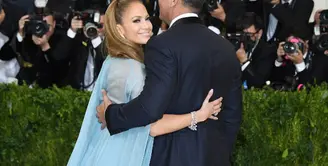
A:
(123, 80)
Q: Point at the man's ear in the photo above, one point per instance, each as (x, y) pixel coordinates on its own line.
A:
(174, 2)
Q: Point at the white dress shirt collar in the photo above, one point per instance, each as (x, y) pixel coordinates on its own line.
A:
(285, 1)
(185, 15)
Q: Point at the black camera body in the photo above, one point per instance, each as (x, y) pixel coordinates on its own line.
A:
(291, 48)
(324, 16)
(211, 5)
(323, 21)
(91, 22)
(237, 38)
(36, 26)
(320, 39)
(322, 43)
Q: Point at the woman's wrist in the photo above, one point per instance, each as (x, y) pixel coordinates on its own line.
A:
(199, 116)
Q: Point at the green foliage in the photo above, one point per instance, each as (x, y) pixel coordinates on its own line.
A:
(40, 126)
(284, 128)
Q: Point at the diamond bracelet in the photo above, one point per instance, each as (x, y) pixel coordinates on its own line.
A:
(193, 124)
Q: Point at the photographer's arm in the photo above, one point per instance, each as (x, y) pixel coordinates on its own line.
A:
(297, 16)
(63, 49)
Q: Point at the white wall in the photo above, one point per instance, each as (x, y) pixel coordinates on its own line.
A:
(319, 4)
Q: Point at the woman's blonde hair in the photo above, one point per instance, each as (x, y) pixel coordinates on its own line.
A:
(116, 45)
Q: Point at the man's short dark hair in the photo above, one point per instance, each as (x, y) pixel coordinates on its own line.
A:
(194, 4)
(249, 19)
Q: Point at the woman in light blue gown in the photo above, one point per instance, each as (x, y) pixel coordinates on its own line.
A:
(127, 27)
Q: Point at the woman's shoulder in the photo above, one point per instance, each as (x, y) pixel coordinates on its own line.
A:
(126, 67)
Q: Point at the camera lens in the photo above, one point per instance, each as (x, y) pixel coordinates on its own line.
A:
(38, 27)
(289, 48)
(90, 30)
(322, 43)
(212, 4)
(324, 16)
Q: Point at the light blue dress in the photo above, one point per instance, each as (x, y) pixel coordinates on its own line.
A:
(123, 79)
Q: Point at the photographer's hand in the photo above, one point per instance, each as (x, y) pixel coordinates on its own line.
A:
(2, 16)
(76, 24)
(326, 52)
(296, 58)
(317, 17)
(275, 2)
(219, 13)
(42, 42)
(280, 52)
(21, 24)
(241, 54)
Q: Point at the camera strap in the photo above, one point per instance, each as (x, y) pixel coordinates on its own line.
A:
(250, 53)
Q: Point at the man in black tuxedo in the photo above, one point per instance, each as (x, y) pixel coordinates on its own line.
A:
(182, 65)
(256, 56)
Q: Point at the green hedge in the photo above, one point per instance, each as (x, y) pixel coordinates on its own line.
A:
(39, 127)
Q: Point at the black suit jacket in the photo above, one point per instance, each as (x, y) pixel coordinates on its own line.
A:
(261, 65)
(182, 65)
(291, 20)
(7, 52)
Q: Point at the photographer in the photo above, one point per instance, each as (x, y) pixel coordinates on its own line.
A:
(36, 45)
(223, 14)
(319, 46)
(286, 16)
(84, 50)
(258, 58)
(293, 64)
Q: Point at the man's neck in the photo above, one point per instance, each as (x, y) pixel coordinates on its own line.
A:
(184, 15)
(179, 12)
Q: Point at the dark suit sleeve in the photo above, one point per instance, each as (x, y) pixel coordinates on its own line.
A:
(7, 52)
(298, 16)
(304, 76)
(234, 10)
(160, 83)
(63, 47)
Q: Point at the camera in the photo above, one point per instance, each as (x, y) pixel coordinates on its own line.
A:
(237, 38)
(36, 26)
(324, 16)
(321, 45)
(91, 22)
(323, 22)
(211, 5)
(291, 47)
